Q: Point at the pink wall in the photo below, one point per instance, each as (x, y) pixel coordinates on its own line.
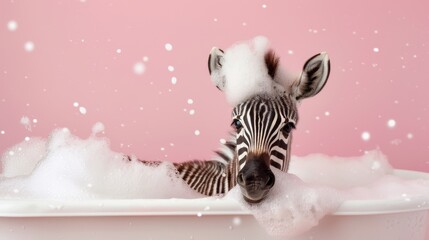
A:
(76, 58)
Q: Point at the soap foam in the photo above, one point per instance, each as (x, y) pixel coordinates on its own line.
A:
(65, 167)
(74, 168)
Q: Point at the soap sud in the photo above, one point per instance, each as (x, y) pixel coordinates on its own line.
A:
(293, 206)
(245, 72)
(65, 167)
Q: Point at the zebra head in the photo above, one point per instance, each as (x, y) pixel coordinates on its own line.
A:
(264, 121)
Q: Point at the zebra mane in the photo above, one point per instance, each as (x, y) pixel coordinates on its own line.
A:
(272, 62)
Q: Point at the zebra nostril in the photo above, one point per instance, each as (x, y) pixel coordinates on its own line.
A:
(271, 180)
(240, 179)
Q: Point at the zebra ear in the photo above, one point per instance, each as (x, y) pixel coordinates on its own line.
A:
(215, 67)
(313, 77)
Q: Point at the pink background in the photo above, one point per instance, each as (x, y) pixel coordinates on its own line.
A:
(76, 58)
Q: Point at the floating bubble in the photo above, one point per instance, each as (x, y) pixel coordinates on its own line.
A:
(29, 46)
(168, 47)
(139, 68)
(82, 110)
(118, 50)
(75, 104)
(197, 132)
(174, 80)
(12, 25)
(190, 101)
(366, 136)
(191, 112)
(376, 49)
(391, 123)
(170, 68)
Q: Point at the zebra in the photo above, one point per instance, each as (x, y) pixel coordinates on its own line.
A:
(262, 135)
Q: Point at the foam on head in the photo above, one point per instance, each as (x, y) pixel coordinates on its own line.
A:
(246, 73)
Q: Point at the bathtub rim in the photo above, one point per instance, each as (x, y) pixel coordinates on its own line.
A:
(193, 207)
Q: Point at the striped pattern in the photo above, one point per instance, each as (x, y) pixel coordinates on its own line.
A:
(263, 119)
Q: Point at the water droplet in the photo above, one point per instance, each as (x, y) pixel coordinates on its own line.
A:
(327, 113)
(264, 6)
(2, 132)
(35, 120)
(75, 104)
(376, 49)
(197, 132)
(118, 50)
(170, 68)
(174, 80)
(191, 112)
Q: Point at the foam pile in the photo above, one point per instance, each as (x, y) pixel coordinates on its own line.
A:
(66, 167)
(246, 74)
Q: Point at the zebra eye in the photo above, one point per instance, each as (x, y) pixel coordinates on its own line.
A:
(288, 127)
(236, 124)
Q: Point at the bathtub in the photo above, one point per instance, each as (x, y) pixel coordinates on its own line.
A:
(204, 219)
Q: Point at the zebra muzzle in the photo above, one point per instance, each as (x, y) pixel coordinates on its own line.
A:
(255, 180)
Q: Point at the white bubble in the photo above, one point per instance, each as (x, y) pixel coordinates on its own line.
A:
(170, 68)
(190, 101)
(29, 46)
(168, 47)
(191, 112)
(139, 68)
(97, 128)
(236, 221)
(12, 25)
(391, 123)
(197, 132)
(27, 139)
(75, 104)
(366, 136)
(327, 113)
(290, 52)
(25, 120)
(35, 120)
(2, 132)
(223, 141)
(199, 214)
(145, 58)
(376, 49)
(410, 135)
(82, 110)
(174, 80)
(162, 149)
(11, 153)
(264, 6)
(118, 50)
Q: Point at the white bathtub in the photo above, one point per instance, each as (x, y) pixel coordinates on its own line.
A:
(203, 219)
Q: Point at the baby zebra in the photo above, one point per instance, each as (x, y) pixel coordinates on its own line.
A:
(263, 122)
